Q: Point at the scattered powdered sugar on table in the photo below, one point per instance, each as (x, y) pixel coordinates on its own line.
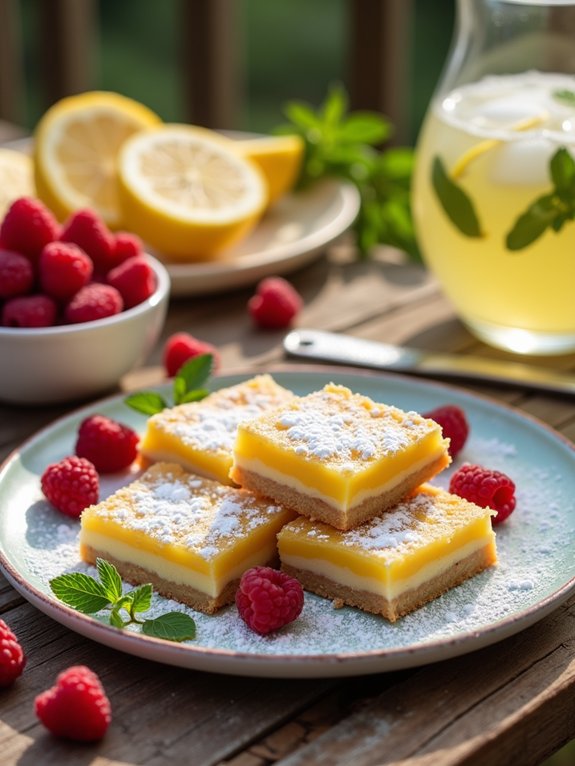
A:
(535, 549)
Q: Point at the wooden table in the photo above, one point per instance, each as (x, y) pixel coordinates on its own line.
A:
(512, 703)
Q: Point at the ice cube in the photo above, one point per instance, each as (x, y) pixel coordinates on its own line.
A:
(507, 112)
(523, 163)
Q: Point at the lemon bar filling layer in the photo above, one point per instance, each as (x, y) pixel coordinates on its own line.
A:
(184, 528)
(418, 541)
(200, 435)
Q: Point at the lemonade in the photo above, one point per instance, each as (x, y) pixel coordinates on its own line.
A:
(484, 159)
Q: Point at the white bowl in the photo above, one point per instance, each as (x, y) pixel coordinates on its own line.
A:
(76, 361)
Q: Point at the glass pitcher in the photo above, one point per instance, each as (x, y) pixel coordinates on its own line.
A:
(494, 184)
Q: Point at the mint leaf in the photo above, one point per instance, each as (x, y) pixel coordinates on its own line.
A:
(110, 580)
(364, 127)
(147, 402)
(301, 115)
(195, 396)
(562, 171)
(531, 224)
(455, 202)
(565, 97)
(334, 106)
(196, 372)
(140, 598)
(173, 626)
(80, 591)
(115, 619)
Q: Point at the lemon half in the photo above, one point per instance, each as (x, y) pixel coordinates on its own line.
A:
(279, 158)
(187, 192)
(16, 178)
(76, 147)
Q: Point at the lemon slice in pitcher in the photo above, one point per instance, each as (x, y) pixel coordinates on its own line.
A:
(188, 192)
(76, 147)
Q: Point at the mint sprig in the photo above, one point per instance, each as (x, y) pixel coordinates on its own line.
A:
(550, 211)
(340, 143)
(564, 97)
(455, 202)
(89, 595)
(188, 386)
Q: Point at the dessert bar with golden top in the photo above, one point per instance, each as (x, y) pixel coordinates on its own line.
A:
(336, 456)
(396, 562)
(200, 435)
(190, 537)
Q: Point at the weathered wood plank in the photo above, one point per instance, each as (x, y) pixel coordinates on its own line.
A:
(467, 711)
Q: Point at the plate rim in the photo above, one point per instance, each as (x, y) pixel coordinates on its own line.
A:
(238, 662)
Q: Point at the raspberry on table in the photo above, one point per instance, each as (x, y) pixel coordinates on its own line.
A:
(12, 657)
(181, 347)
(268, 599)
(485, 488)
(76, 707)
(30, 311)
(134, 279)
(16, 274)
(64, 268)
(71, 485)
(454, 425)
(27, 227)
(94, 301)
(86, 229)
(275, 304)
(110, 446)
(126, 245)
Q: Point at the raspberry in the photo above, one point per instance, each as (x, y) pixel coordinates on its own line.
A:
(454, 425)
(64, 269)
(29, 311)
(94, 301)
(16, 274)
(71, 485)
(27, 226)
(268, 599)
(76, 707)
(12, 658)
(486, 488)
(181, 347)
(87, 230)
(134, 280)
(126, 246)
(109, 445)
(275, 303)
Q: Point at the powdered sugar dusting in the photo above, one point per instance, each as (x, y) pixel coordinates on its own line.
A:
(535, 545)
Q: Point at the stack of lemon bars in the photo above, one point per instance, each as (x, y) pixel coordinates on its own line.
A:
(330, 486)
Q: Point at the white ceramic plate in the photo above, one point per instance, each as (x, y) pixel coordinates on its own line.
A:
(293, 233)
(535, 574)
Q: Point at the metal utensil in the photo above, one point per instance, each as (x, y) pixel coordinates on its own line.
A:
(343, 349)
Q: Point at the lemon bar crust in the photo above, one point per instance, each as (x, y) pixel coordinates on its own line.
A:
(406, 602)
(317, 509)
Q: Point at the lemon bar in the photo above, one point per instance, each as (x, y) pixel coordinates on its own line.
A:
(190, 537)
(336, 456)
(200, 435)
(396, 562)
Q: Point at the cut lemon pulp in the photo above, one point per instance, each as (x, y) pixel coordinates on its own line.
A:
(187, 191)
(76, 147)
(16, 178)
(279, 158)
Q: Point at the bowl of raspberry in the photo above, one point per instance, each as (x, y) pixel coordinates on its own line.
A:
(80, 305)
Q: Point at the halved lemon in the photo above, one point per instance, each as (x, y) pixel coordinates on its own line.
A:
(279, 158)
(76, 147)
(187, 192)
(16, 178)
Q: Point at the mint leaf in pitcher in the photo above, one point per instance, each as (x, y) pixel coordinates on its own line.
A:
(455, 202)
(564, 97)
(551, 210)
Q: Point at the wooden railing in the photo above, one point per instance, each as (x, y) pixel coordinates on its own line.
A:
(376, 61)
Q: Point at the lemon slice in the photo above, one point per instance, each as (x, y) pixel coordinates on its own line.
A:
(187, 192)
(279, 158)
(16, 178)
(482, 147)
(76, 147)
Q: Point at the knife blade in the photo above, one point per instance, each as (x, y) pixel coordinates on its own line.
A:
(336, 348)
